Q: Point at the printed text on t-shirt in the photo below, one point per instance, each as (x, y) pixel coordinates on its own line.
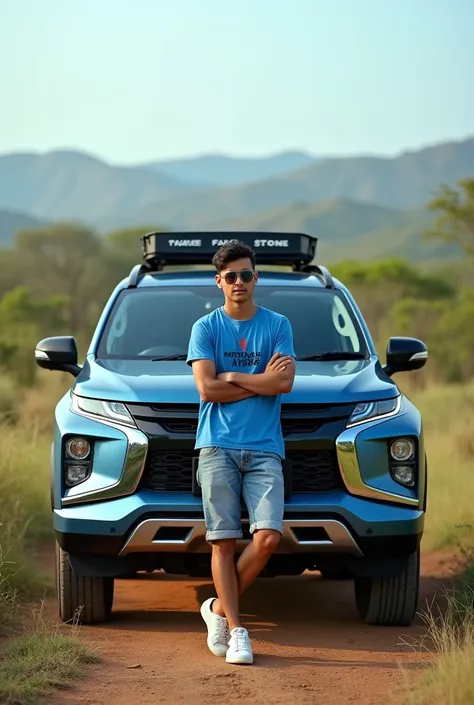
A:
(244, 359)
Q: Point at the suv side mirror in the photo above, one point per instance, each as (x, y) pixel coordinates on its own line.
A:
(59, 353)
(405, 355)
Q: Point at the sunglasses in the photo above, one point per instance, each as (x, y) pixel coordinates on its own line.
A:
(246, 276)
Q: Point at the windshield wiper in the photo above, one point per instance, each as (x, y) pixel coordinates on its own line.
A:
(163, 358)
(334, 355)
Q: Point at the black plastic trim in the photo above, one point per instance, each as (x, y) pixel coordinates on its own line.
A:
(90, 544)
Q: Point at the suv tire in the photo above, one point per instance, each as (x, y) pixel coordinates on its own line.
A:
(83, 599)
(390, 601)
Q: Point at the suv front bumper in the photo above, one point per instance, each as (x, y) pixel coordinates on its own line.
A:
(154, 522)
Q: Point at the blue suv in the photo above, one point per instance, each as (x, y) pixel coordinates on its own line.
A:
(124, 494)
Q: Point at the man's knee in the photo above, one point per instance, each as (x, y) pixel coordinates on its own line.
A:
(266, 540)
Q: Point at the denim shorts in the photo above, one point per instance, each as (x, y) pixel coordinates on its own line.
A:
(225, 476)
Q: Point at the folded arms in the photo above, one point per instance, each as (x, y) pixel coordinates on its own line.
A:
(235, 386)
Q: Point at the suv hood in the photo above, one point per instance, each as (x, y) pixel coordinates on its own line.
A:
(173, 382)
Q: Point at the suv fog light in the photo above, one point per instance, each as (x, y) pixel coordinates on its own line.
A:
(76, 474)
(402, 449)
(404, 474)
(78, 448)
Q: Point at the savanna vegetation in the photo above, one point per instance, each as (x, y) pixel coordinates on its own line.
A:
(449, 637)
(55, 280)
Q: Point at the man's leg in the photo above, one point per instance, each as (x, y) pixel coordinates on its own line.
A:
(225, 581)
(251, 562)
(264, 495)
(263, 490)
(220, 478)
(255, 557)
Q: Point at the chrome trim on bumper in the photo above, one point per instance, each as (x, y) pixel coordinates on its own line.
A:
(350, 470)
(143, 539)
(137, 448)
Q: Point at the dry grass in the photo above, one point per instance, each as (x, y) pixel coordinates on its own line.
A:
(450, 636)
(36, 410)
(8, 603)
(25, 517)
(448, 418)
(32, 666)
(9, 398)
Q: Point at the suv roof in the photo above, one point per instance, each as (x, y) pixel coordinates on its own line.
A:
(205, 278)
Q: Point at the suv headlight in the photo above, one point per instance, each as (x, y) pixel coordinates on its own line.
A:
(403, 461)
(78, 448)
(77, 459)
(373, 410)
(402, 449)
(107, 410)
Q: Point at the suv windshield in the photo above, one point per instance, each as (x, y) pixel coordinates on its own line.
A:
(156, 322)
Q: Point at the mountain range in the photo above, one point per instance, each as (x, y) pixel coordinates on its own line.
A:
(72, 185)
(220, 170)
(370, 204)
(406, 181)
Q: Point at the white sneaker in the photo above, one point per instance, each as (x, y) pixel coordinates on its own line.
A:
(217, 629)
(239, 650)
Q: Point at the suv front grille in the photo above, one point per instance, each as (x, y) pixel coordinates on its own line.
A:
(314, 471)
(172, 471)
(182, 419)
(287, 425)
(179, 425)
(169, 471)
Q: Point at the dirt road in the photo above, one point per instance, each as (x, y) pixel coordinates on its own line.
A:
(309, 645)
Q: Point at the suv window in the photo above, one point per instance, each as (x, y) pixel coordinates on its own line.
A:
(151, 322)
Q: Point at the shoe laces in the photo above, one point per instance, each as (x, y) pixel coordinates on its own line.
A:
(222, 630)
(240, 639)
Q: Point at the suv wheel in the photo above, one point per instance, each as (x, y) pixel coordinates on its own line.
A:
(390, 601)
(81, 598)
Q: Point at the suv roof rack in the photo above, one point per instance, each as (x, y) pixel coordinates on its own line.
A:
(159, 249)
(322, 272)
(187, 248)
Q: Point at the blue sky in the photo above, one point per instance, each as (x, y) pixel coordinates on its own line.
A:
(136, 80)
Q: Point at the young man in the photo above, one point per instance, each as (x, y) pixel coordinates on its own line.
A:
(243, 361)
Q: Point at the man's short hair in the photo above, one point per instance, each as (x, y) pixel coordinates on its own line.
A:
(231, 251)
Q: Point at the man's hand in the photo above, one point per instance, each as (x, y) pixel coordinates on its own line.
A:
(278, 363)
(277, 378)
(276, 366)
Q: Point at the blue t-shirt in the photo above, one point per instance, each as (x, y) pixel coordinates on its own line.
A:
(246, 347)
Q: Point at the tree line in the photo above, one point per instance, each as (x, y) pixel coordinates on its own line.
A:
(56, 279)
